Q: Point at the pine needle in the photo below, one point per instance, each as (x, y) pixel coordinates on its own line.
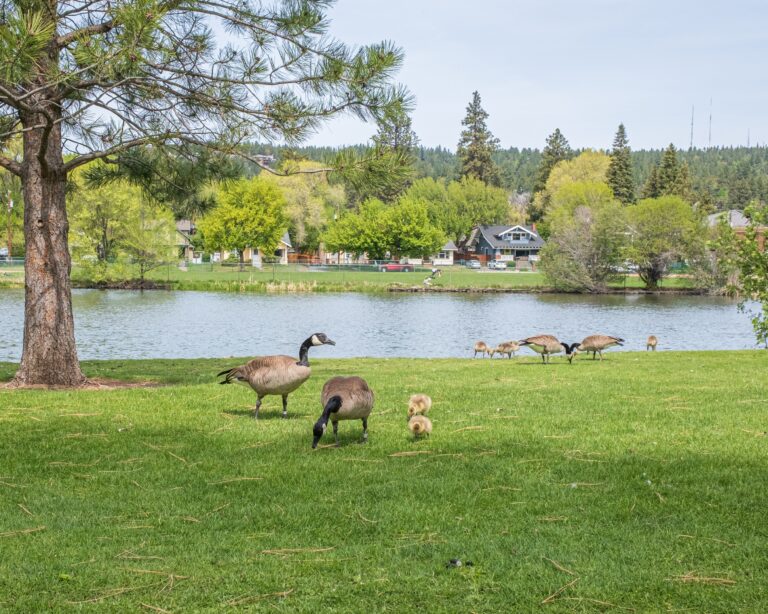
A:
(691, 577)
(22, 532)
(560, 590)
(560, 567)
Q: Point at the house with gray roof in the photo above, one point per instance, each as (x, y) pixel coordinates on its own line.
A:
(734, 218)
(505, 243)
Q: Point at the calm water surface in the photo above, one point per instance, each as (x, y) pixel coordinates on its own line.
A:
(133, 324)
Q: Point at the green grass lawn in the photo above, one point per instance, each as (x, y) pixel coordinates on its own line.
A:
(635, 484)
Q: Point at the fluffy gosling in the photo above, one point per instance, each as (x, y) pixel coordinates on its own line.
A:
(419, 404)
(420, 426)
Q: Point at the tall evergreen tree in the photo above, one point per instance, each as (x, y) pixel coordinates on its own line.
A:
(668, 170)
(669, 177)
(397, 141)
(476, 145)
(86, 80)
(619, 175)
(556, 150)
(651, 186)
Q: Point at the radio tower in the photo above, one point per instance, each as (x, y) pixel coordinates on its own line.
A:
(709, 138)
(690, 147)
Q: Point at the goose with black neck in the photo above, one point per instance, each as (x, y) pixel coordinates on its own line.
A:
(273, 375)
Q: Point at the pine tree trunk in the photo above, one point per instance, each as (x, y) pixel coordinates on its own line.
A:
(49, 357)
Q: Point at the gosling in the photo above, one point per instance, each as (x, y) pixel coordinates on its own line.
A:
(420, 426)
(419, 404)
(651, 343)
(509, 348)
(482, 347)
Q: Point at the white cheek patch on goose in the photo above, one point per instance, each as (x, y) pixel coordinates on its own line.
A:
(316, 341)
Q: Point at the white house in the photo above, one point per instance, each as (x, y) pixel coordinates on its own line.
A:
(446, 255)
(256, 256)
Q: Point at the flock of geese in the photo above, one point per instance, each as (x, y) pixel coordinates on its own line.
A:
(350, 398)
(546, 345)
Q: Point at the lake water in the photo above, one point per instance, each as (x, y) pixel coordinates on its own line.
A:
(157, 324)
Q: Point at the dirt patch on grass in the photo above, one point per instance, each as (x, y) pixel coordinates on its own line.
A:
(93, 383)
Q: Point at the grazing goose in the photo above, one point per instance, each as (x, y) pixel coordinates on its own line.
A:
(546, 345)
(275, 374)
(420, 426)
(597, 343)
(651, 343)
(343, 398)
(419, 404)
(482, 347)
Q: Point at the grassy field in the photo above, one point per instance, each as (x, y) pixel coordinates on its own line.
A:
(635, 484)
(296, 278)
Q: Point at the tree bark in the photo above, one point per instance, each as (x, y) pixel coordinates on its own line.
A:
(49, 357)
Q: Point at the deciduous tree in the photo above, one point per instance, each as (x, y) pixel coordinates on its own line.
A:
(587, 237)
(250, 213)
(752, 260)
(662, 231)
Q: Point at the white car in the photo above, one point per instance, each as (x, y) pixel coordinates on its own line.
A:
(499, 265)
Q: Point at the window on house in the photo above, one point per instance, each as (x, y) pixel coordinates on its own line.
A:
(442, 255)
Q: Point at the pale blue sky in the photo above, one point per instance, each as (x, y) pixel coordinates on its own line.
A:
(580, 65)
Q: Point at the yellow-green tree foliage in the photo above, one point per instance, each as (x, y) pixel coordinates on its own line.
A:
(310, 201)
(589, 166)
(587, 237)
(250, 213)
(663, 231)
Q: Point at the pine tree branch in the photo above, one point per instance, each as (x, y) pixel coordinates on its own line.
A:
(10, 165)
(99, 28)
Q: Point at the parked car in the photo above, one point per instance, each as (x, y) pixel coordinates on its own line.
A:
(396, 266)
(499, 265)
(473, 264)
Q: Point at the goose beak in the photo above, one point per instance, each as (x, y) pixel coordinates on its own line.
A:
(315, 442)
(330, 342)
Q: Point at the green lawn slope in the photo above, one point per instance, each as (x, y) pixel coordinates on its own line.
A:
(639, 483)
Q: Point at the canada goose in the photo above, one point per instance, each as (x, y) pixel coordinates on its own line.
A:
(509, 348)
(482, 347)
(343, 398)
(597, 343)
(419, 404)
(420, 426)
(651, 343)
(275, 374)
(547, 345)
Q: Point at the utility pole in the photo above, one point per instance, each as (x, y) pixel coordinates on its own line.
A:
(709, 140)
(10, 228)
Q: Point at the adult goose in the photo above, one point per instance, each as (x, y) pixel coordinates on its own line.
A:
(343, 398)
(546, 345)
(275, 374)
(597, 343)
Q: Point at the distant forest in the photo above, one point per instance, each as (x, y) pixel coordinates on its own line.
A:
(722, 177)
